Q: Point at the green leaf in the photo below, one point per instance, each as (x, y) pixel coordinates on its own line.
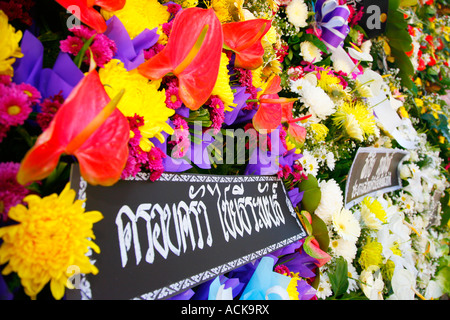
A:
(80, 56)
(312, 193)
(405, 66)
(320, 232)
(339, 278)
(443, 276)
(317, 42)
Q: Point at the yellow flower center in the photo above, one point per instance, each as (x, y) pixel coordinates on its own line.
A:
(13, 110)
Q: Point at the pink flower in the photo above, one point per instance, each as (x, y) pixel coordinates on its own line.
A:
(180, 138)
(82, 32)
(11, 192)
(151, 52)
(34, 96)
(15, 107)
(137, 158)
(103, 50)
(173, 8)
(245, 79)
(5, 80)
(282, 269)
(49, 107)
(295, 73)
(173, 100)
(102, 47)
(155, 163)
(71, 45)
(217, 113)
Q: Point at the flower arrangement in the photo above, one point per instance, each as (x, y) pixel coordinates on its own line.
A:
(119, 88)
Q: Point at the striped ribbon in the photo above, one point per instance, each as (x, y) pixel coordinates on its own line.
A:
(332, 18)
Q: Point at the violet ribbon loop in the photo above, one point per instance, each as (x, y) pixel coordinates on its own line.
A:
(332, 19)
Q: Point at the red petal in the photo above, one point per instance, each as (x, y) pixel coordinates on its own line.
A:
(268, 116)
(274, 85)
(41, 159)
(196, 66)
(84, 103)
(297, 134)
(110, 5)
(86, 14)
(104, 155)
(287, 111)
(244, 38)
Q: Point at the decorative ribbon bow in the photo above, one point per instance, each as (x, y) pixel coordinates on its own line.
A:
(332, 19)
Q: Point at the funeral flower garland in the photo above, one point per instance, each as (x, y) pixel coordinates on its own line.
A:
(120, 89)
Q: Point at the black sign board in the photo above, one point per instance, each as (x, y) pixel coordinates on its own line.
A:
(374, 170)
(374, 16)
(158, 239)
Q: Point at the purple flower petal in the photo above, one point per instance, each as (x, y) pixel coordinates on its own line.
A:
(129, 51)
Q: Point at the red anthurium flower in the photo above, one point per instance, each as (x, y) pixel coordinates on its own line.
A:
(268, 116)
(88, 126)
(296, 133)
(89, 15)
(192, 54)
(244, 39)
(274, 110)
(312, 248)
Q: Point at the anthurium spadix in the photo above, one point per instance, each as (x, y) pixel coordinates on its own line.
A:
(244, 39)
(192, 54)
(84, 10)
(88, 126)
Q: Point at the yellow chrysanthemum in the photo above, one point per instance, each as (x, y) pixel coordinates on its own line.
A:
(222, 87)
(138, 15)
(257, 77)
(9, 42)
(320, 131)
(388, 269)
(373, 213)
(189, 3)
(141, 97)
(331, 85)
(371, 254)
(357, 119)
(326, 80)
(222, 10)
(52, 235)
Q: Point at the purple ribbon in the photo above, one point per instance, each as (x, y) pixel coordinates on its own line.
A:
(332, 18)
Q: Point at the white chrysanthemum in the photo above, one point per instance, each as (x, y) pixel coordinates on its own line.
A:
(344, 248)
(346, 225)
(309, 163)
(310, 52)
(342, 65)
(331, 160)
(297, 13)
(315, 98)
(331, 200)
(324, 288)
